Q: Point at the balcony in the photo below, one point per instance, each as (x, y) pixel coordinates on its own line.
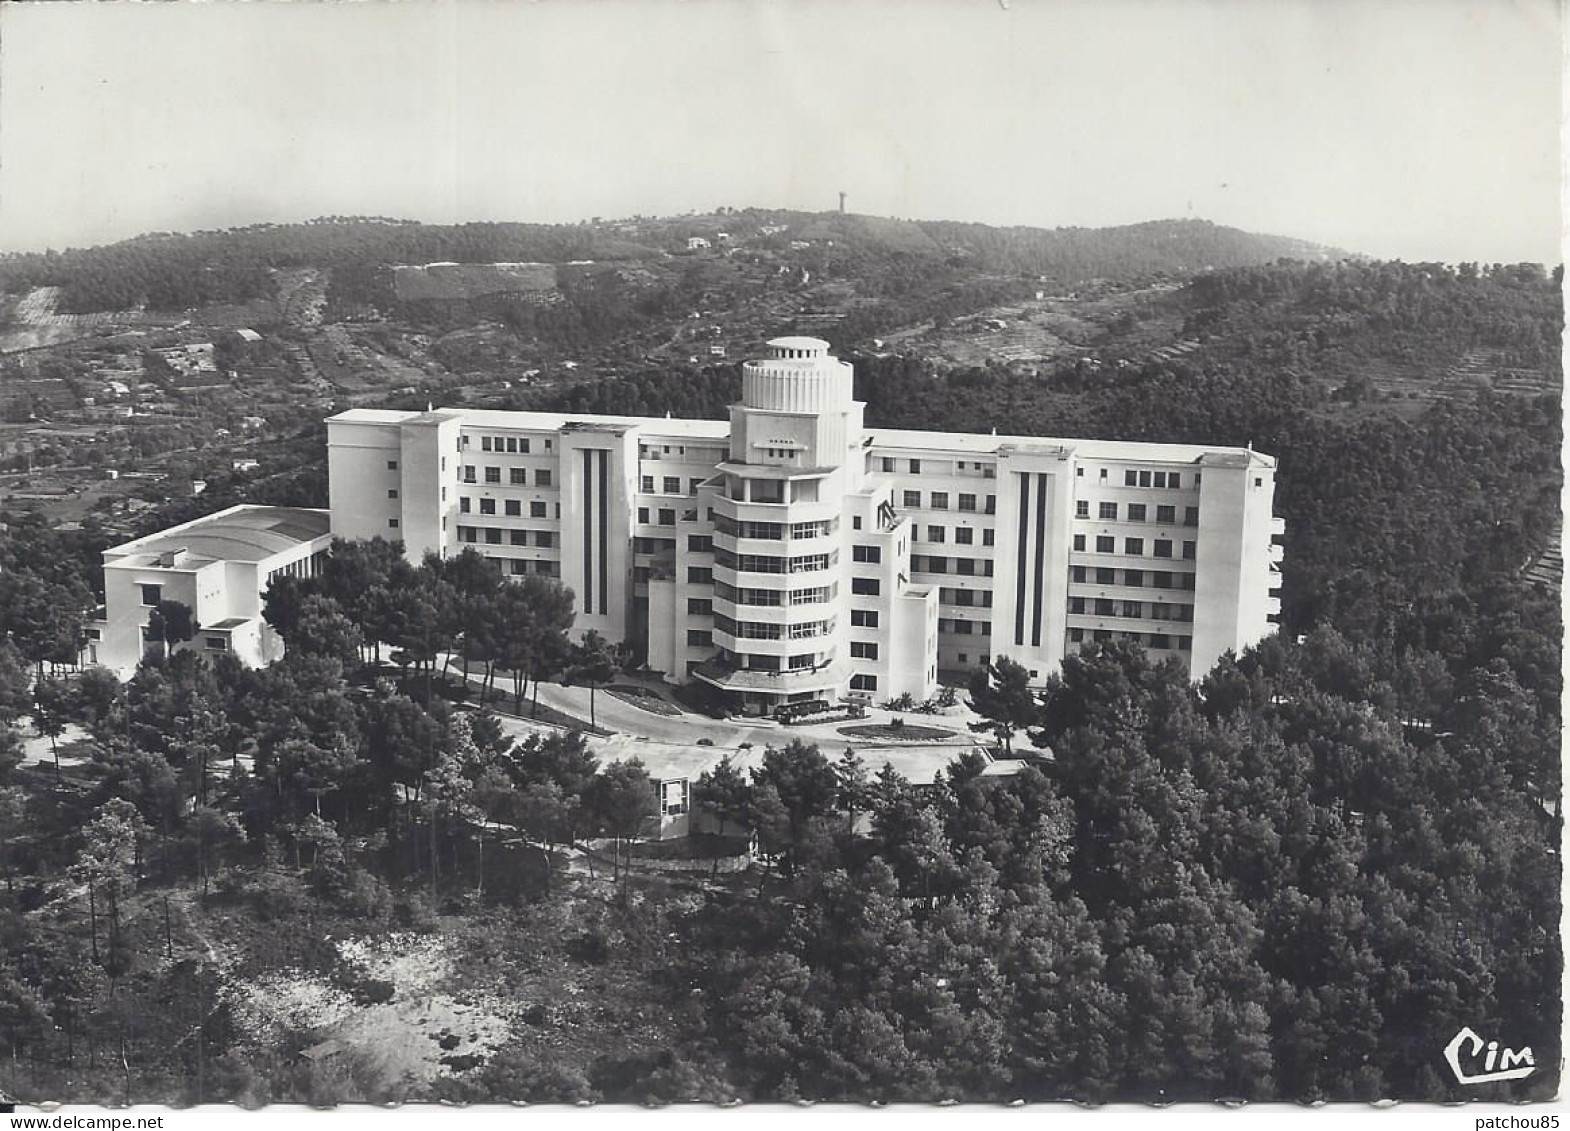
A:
(725, 675)
(1278, 527)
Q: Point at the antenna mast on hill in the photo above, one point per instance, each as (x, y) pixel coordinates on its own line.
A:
(842, 204)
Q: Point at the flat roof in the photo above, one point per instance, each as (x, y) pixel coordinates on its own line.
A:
(959, 443)
(239, 534)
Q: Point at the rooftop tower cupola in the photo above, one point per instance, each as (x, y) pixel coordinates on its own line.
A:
(798, 375)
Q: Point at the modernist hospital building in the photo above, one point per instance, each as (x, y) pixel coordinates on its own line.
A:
(790, 553)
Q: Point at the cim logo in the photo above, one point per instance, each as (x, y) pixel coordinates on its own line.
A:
(1497, 1063)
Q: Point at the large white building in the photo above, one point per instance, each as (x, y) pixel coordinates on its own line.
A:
(219, 567)
(790, 553)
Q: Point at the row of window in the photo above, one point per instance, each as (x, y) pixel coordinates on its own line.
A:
(764, 630)
(774, 531)
(965, 627)
(939, 501)
(963, 535)
(512, 445)
(1155, 578)
(774, 563)
(1106, 607)
(512, 508)
(761, 598)
(988, 471)
(1145, 639)
(1159, 548)
(1136, 512)
(936, 563)
(669, 485)
(1172, 480)
(965, 598)
(804, 661)
(516, 476)
(493, 536)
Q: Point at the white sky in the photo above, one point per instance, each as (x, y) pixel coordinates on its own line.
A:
(1425, 129)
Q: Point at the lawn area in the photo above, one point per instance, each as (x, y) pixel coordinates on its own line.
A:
(896, 732)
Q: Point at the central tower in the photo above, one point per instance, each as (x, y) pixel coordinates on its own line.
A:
(794, 455)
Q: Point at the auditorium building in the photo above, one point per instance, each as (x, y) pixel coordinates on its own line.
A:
(791, 553)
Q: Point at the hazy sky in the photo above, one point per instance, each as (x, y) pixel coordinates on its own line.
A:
(1425, 129)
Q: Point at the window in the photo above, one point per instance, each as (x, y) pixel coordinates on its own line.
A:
(493, 535)
(962, 628)
(934, 534)
(485, 443)
(643, 514)
(699, 544)
(152, 594)
(700, 607)
(463, 504)
(466, 534)
(392, 524)
(992, 504)
(487, 506)
(940, 500)
(1107, 511)
(1135, 546)
(1082, 509)
(215, 643)
(869, 554)
(1103, 475)
(1161, 579)
(863, 650)
(667, 516)
(1076, 604)
(1134, 577)
(855, 522)
(699, 575)
(1189, 549)
(915, 467)
(865, 586)
(967, 502)
(1136, 512)
(1161, 479)
(1133, 609)
(700, 638)
(1185, 643)
(392, 493)
(1130, 479)
(1106, 544)
(468, 473)
(1079, 541)
(799, 662)
(392, 465)
(935, 564)
(986, 537)
(1258, 482)
(863, 683)
(671, 485)
(1105, 607)
(1166, 515)
(1101, 636)
(1106, 576)
(493, 475)
(1076, 635)
(1076, 573)
(542, 478)
(646, 485)
(518, 476)
(1144, 479)
(518, 537)
(964, 535)
(912, 498)
(693, 485)
(513, 507)
(1175, 480)
(1190, 516)
(864, 618)
(537, 510)
(1160, 640)
(1163, 548)
(545, 539)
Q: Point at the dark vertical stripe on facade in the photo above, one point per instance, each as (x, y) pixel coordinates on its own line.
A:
(605, 530)
(1041, 557)
(588, 533)
(1019, 566)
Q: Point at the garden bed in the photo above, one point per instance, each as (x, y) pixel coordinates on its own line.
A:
(897, 733)
(642, 698)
